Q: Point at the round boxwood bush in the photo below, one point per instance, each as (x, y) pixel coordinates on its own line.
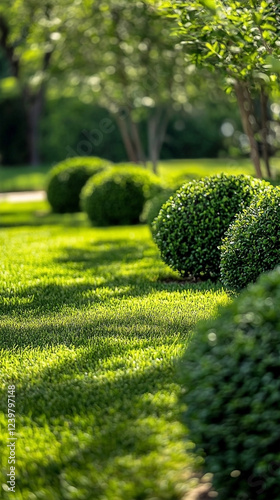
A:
(230, 374)
(152, 207)
(190, 226)
(251, 243)
(66, 180)
(117, 196)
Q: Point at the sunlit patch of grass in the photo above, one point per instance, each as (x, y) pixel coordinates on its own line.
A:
(37, 213)
(89, 336)
(23, 178)
(177, 172)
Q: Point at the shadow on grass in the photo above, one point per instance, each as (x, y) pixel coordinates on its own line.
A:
(78, 326)
(37, 218)
(106, 282)
(105, 252)
(73, 389)
(111, 415)
(44, 299)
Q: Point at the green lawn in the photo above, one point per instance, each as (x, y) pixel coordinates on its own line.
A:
(172, 171)
(23, 178)
(37, 213)
(92, 323)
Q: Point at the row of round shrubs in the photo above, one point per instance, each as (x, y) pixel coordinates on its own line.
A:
(191, 225)
(196, 229)
(109, 194)
(67, 179)
(231, 389)
(118, 195)
(230, 371)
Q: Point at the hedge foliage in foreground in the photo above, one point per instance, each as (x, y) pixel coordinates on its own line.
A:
(251, 244)
(117, 196)
(230, 373)
(190, 226)
(66, 180)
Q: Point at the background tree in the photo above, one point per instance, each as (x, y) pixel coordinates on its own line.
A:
(136, 68)
(28, 37)
(237, 39)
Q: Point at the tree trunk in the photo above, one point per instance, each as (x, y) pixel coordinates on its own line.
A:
(157, 124)
(34, 107)
(128, 144)
(264, 132)
(247, 117)
(131, 138)
(137, 142)
(152, 145)
(9, 50)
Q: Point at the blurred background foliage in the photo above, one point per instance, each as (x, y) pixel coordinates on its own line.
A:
(109, 79)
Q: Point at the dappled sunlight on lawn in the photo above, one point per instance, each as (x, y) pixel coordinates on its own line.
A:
(90, 335)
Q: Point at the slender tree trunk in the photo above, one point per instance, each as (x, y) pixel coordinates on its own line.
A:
(162, 128)
(131, 138)
(128, 144)
(247, 116)
(33, 102)
(264, 132)
(137, 142)
(152, 143)
(157, 125)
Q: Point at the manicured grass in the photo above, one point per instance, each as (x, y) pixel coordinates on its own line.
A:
(23, 178)
(92, 324)
(37, 213)
(173, 172)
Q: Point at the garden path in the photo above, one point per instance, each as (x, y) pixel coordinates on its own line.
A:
(24, 196)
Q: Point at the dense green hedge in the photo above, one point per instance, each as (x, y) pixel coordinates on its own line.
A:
(67, 178)
(251, 244)
(117, 196)
(190, 226)
(230, 374)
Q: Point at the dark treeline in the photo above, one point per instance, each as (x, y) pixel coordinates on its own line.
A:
(70, 127)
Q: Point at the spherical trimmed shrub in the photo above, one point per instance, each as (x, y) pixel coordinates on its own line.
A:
(251, 243)
(66, 180)
(230, 374)
(190, 226)
(117, 196)
(152, 207)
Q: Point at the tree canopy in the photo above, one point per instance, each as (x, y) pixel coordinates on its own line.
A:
(240, 40)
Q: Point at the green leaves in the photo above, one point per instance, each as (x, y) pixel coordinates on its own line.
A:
(117, 196)
(251, 245)
(234, 36)
(274, 63)
(230, 375)
(210, 4)
(190, 226)
(66, 180)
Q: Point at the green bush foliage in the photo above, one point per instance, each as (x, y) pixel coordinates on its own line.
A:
(153, 206)
(66, 180)
(117, 196)
(230, 373)
(190, 226)
(251, 244)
